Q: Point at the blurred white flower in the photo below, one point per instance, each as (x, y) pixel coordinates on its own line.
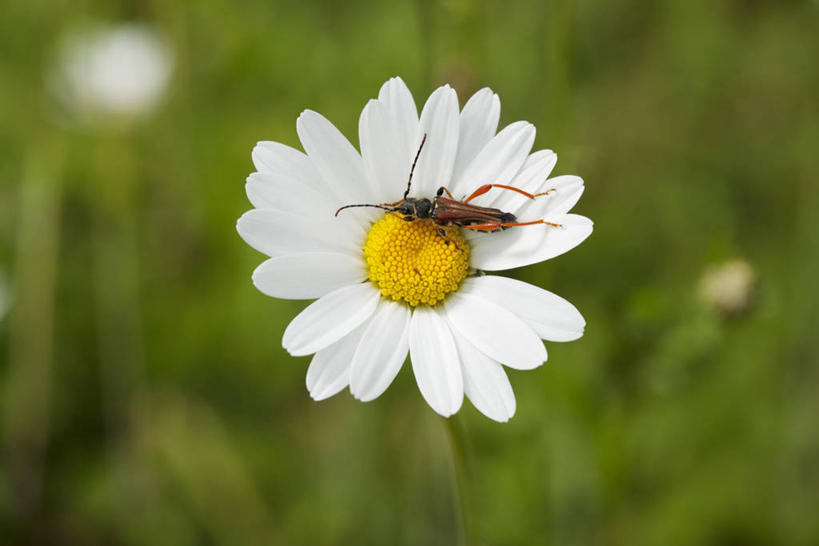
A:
(728, 287)
(112, 72)
(386, 286)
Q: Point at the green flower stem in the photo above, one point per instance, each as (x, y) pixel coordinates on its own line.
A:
(457, 444)
(29, 376)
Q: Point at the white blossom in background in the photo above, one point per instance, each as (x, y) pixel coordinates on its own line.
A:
(728, 287)
(116, 71)
(387, 287)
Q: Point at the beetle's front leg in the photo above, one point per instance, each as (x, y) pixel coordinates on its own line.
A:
(406, 218)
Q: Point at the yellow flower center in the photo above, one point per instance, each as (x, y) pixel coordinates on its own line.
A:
(413, 262)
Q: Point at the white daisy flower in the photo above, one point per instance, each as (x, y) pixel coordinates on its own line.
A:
(385, 286)
(728, 287)
(112, 71)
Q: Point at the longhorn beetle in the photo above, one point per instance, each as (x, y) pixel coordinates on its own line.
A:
(446, 211)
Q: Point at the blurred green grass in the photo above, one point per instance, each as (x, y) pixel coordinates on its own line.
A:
(145, 394)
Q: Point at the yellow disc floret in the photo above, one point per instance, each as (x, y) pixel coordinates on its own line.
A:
(414, 261)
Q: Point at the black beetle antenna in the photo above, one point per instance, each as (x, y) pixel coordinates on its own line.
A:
(361, 205)
(412, 170)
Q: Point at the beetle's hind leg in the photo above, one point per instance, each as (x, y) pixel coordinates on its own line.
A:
(491, 227)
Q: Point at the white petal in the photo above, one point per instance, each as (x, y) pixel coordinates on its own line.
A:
(531, 178)
(479, 121)
(435, 361)
(567, 191)
(498, 161)
(330, 318)
(382, 351)
(547, 314)
(273, 192)
(336, 160)
(277, 233)
(385, 156)
(564, 192)
(439, 121)
(286, 162)
(308, 276)
(495, 331)
(524, 245)
(485, 382)
(388, 131)
(329, 371)
(395, 95)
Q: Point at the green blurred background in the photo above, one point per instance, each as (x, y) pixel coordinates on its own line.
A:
(146, 398)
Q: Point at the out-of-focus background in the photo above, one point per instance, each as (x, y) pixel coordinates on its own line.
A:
(144, 394)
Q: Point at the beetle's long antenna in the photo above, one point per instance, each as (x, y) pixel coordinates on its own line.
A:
(361, 205)
(412, 170)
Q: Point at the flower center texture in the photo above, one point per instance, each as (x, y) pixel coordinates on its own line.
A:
(413, 262)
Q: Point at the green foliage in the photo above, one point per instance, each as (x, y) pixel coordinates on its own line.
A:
(144, 392)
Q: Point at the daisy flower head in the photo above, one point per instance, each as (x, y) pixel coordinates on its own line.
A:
(115, 71)
(405, 272)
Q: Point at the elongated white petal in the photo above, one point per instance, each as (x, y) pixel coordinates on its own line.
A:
(498, 161)
(550, 316)
(273, 192)
(479, 121)
(309, 275)
(386, 157)
(288, 181)
(495, 331)
(277, 233)
(278, 159)
(336, 160)
(330, 318)
(435, 361)
(565, 191)
(396, 97)
(520, 246)
(382, 351)
(531, 178)
(439, 121)
(485, 382)
(329, 371)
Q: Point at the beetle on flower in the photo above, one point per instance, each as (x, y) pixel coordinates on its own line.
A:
(386, 286)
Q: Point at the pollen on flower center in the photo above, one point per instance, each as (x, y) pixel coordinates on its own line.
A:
(413, 262)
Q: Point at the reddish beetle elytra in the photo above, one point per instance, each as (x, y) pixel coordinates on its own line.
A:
(446, 211)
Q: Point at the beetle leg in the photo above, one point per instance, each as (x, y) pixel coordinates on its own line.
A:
(447, 239)
(532, 223)
(486, 187)
(488, 227)
(495, 226)
(406, 218)
(443, 190)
